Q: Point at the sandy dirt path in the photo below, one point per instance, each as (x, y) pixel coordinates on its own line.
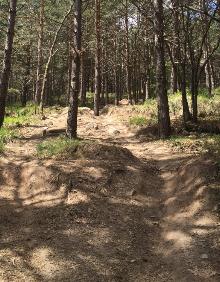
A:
(143, 214)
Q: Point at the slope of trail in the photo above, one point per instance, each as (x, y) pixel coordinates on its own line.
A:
(134, 211)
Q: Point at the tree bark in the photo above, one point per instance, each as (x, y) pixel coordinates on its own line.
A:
(51, 54)
(26, 84)
(75, 76)
(97, 58)
(40, 55)
(128, 69)
(83, 80)
(163, 106)
(7, 59)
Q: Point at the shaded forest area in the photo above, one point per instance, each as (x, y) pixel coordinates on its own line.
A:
(96, 53)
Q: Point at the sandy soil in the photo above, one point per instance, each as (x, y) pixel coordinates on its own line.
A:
(133, 211)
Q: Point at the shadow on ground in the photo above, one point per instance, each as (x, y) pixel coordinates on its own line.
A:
(96, 220)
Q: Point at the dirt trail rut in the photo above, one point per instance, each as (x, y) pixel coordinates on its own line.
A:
(137, 214)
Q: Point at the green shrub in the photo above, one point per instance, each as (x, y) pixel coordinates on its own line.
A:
(17, 115)
(60, 146)
(138, 121)
(204, 143)
(6, 135)
(217, 91)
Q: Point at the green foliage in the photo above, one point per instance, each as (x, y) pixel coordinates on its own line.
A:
(17, 115)
(204, 143)
(209, 107)
(57, 147)
(13, 92)
(217, 91)
(175, 102)
(148, 109)
(138, 121)
(6, 135)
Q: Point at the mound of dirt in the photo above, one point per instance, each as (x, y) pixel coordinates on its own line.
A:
(106, 169)
(96, 151)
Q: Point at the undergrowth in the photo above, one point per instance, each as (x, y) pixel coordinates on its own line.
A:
(207, 106)
(18, 116)
(203, 143)
(6, 135)
(138, 121)
(15, 117)
(57, 147)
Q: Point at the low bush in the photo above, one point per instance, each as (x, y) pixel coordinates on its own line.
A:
(57, 147)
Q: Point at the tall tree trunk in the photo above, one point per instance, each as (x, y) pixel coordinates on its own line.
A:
(106, 90)
(127, 45)
(97, 58)
(75, 77)
(50, 56)
(7, 59)
(83, 80)
(186, 112)
(69, 60)
(163, 106)
(40, 54)
(116, 71)
(173, 80)
(209, 78)
(194, 93)
(26, 84)
(208, 70)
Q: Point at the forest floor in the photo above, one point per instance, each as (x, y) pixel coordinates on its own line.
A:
(129, 209)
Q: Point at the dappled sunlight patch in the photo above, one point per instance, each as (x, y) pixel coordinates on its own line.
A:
(77, 197)
(94, 172)
(205, 220)
(200, 231)
(178, 238)
(170, 200)
(44, 260)
(14, 265)
(45, 196)
(126, 202)
(200, 192)
(187, 213)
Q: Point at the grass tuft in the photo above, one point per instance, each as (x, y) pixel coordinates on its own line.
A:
(6, 135)
(17, 115)
(204, 143)
(58, 147)
(138, 121)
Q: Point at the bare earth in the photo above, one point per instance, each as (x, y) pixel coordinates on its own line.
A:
(132, 210)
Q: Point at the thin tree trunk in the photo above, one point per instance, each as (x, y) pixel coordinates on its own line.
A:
(180, 58)
(194, 93)
(106, 90)
(83, 81)
(26, 85)
(173, 80)
(163, 106)
(51, 54)
(97, 58)
(40, 55)
(75, 80)
(7, 59)
(116, 72)
(186, 112)
(209, 78)
(128, 69)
